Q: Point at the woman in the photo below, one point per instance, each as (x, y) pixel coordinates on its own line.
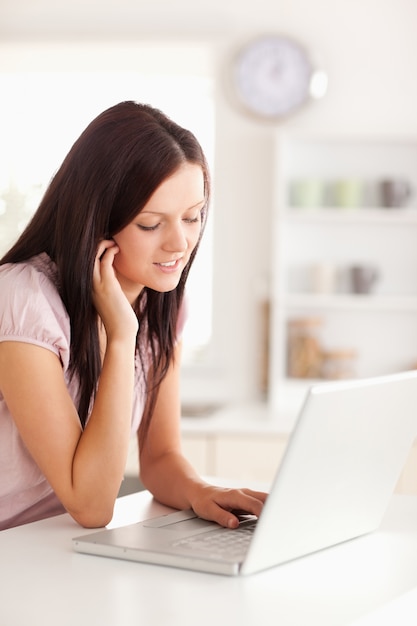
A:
(91, 312)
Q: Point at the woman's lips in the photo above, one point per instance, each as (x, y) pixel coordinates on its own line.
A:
(169, 266)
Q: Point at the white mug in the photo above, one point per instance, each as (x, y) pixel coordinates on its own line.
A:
(323, 277)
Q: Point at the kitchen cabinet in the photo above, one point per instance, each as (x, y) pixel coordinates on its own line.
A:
(245, 456)
(257, 457)
(199, 450)
(331, 215)
(253, 455)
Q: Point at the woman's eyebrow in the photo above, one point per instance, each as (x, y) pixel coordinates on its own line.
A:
(194, 206)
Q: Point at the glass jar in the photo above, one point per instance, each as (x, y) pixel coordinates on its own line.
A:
(304, 354)
(338, 364)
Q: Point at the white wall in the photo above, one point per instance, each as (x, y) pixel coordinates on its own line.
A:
(369, 48)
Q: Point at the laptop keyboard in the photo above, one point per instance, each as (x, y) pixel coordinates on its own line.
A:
(221, 542)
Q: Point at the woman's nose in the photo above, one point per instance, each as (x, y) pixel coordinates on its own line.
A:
(176, 240)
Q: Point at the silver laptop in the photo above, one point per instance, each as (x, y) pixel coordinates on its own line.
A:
(341, 466)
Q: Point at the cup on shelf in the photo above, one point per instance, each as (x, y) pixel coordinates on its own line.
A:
(307, 193)
(395, 192)
(323, 278)
(347, 193)
(363, 278)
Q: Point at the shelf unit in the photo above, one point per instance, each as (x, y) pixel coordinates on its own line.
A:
(380, 326)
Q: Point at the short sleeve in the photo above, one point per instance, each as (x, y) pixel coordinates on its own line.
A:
(32, 311)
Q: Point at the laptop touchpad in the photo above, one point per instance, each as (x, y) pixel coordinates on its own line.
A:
(181, 520)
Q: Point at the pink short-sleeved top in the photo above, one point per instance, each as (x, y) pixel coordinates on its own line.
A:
(32, 311)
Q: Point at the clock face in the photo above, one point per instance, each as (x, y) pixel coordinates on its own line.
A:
(272, 76)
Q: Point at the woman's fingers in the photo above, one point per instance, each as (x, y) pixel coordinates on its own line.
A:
(224, 505)
(111, 303)
(106, 251)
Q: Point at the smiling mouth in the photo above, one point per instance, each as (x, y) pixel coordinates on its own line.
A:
(169, 265)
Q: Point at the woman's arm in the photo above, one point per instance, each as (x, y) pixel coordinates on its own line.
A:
(171, 478)
(84, 468)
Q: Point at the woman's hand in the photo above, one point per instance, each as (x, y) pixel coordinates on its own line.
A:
(111, 303)
(223, 505)
(169, 476)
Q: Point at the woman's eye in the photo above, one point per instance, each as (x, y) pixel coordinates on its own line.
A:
(147, 228)
(192, 220)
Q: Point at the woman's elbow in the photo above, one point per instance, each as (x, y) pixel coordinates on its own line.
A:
(93, 517)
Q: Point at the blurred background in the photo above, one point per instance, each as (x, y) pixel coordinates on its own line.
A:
(251, 293)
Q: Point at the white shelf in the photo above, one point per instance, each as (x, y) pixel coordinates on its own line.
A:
(380, 327)
(351, 302)
(362, 215)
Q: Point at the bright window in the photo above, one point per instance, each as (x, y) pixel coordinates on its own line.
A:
(43, 112)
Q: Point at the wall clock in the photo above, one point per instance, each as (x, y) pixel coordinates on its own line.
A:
(273, 75)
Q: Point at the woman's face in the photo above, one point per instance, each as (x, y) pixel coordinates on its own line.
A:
(156, 246)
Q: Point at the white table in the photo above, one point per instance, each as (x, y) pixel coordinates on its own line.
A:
(45, 583)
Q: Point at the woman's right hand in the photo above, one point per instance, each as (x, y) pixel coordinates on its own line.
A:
(113, 307)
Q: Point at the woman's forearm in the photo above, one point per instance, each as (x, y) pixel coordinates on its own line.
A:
(171, 479)
(173, 482)
(100, 457)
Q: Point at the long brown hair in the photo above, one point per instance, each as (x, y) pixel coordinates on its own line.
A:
(106, 179)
